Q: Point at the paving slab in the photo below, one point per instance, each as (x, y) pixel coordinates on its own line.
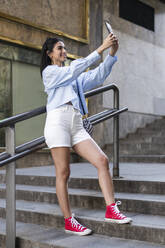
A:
(52, 237)
(90, 193)
(140, 203)
(150, 228)
(73, 191)
(128, 171)
(54, 209)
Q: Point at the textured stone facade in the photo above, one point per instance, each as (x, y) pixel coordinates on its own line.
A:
(139, 72)
(66, 16)
(20, 64)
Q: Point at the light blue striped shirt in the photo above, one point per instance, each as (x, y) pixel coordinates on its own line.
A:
(60, 82)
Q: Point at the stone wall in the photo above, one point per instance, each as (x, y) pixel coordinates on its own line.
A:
(21, 88)
(67, 16)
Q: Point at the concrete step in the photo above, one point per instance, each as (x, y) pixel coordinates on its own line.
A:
(145, 136)
(154, 127)
(135, 177)
(146, 145)
(142, 149)
(142, 158)
(142, 140)
(120, 185)
(39, 158)
(139, 149)
(35, 236)
(131, 202)
(150, 131)
(148, 228)
(159, 123)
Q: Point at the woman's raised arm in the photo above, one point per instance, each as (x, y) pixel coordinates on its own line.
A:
(55, 76)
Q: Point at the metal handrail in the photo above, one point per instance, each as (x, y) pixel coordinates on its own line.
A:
(95, 119)
(106, 117)
(12, 154)
(23, 147)
(35, 144)
(21, 117)
(38, 111)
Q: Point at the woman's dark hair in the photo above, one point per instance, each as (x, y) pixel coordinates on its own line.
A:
(47, 47)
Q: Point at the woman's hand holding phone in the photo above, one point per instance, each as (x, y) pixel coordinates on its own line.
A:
(110, 41)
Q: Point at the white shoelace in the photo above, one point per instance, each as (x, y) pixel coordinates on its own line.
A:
(116, 210)
(75, 223)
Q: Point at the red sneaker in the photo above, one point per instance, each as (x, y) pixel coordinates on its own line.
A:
(72, 226)
(113, 214)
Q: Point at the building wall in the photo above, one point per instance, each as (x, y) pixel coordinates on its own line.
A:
(22, 35)
(139, 72)
(28, 93)
(21, 90)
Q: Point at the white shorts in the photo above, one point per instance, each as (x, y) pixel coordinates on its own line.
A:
(64, 127)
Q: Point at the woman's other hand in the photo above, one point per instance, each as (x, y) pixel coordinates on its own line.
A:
(110, 41)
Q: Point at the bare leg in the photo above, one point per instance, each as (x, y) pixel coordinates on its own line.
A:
(89, 150)
(61, 157)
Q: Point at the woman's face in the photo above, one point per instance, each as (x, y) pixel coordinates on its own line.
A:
(58, 55)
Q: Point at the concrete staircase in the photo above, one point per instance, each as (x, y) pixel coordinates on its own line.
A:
(40, 222)
(145, 145)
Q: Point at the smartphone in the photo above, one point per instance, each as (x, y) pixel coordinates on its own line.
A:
(108, 26)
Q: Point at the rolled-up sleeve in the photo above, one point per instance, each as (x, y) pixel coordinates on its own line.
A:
(55, 76)
(97, 76)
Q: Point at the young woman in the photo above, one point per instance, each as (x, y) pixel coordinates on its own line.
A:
(64, 126)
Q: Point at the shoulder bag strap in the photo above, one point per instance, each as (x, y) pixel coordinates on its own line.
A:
(80, 97)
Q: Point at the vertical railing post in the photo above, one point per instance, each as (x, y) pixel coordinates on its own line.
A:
(10, 190)
(116, 135)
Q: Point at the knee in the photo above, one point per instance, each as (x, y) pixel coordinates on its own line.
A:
(103, 162)
(63, 175)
